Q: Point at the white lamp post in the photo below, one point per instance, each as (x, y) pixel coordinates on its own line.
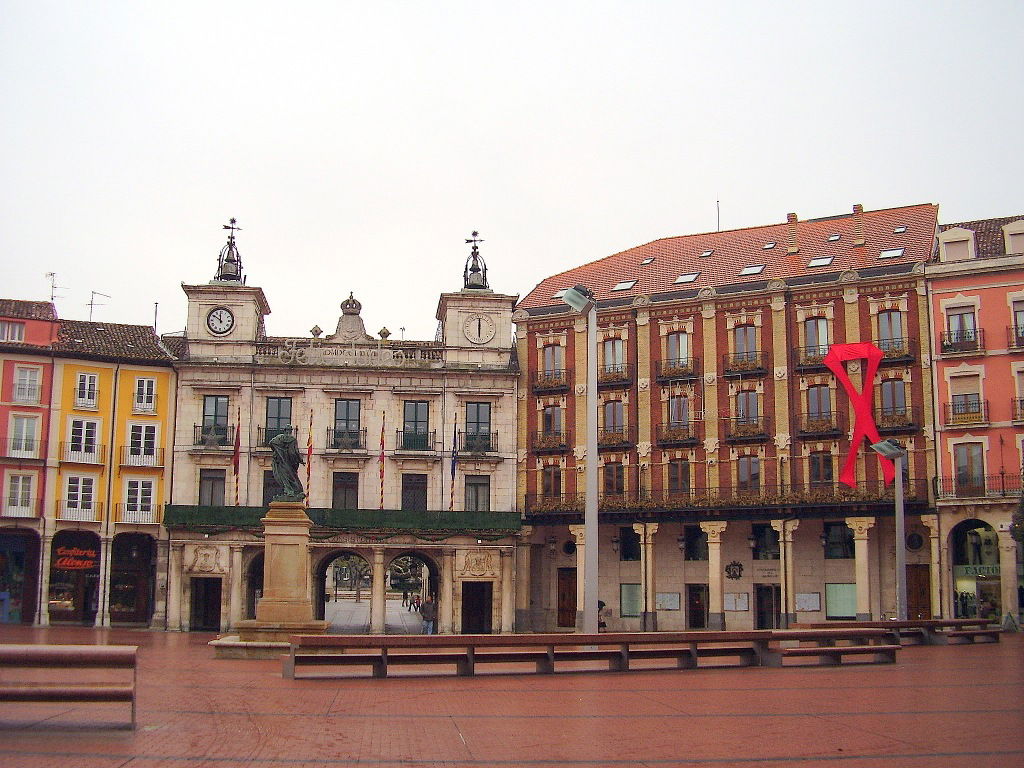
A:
(582, 300)
(892, 450)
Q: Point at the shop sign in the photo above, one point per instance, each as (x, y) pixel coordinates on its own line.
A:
(976, 570)
(75, 559)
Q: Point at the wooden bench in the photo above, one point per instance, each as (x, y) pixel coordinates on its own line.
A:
(830, 645)
(68, 660)
(926, 631)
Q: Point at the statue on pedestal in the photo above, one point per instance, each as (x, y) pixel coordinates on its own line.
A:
(285, 466)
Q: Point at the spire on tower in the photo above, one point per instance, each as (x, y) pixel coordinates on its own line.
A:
(229, 263)
(475, 274)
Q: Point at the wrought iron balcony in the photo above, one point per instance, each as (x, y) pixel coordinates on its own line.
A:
(964, 413)
(265, 434)
(824, 424)
(1017, 406)
(678, 368)
(619, 375)
(978, 486)
(553, 380)
(88, 401)
(144, 404)
(140, 456)
(16, 507)
(213, 435)
(21, 448)
(139, 513)
(79, 510)
(549, 442)
(898, 350)
(346, 439)
(406, 440)
(898, 419)
(615, 437)
(478, 442)
(1015, 337)
(810, 358)
(687, 433)
(963, 342)
(751, 363)
(27, 393)
(82, 453)
(559, 503)
(746, 429)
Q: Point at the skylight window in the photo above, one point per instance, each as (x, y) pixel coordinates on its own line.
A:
(648, 260)
(707, 253)
(559, 294)
(899, 230)
(689, 277)
(891, 253)
(833, 238)
(768, 246)
(820, 261)
(625, 285)
(753, 269)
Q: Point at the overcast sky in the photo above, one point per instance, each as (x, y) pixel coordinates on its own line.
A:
(359, 143)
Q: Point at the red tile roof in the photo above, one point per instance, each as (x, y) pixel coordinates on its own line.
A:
(988, 234)
(110, 341)
(27, 310)
(735, 249)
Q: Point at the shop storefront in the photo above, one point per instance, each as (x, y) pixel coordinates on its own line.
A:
(19, 564)
(132, 578)
(74, 577)
(976, 571)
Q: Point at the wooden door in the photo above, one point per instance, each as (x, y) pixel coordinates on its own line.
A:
(477, 606)
(919, 591)
(696, 606)
(768, 606)
(567, 597)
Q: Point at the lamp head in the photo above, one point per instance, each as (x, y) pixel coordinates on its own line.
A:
(579, 298)
(889, 449)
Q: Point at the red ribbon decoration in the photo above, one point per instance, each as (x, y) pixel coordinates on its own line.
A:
(864, 426)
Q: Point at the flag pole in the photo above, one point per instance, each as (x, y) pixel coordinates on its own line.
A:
(380, 459)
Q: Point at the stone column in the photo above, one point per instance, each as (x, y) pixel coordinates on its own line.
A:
(862, 567)
(935, 565)
(1008, 580)
(578, 532)
(787, 562)
(160, 594)
(522, 620)
(44, 581)
(446, 593)
(508, 612)
(716, 600)
(377, 594)
(235, 574)
(175, 585)
(103, 599)
(649, 618)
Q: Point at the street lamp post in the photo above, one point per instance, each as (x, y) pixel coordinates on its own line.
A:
(892, 450)
(582, 300)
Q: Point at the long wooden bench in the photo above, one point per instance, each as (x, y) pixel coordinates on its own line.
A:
(548, 653)
(831, 645)
(69, 660)
(926, 631)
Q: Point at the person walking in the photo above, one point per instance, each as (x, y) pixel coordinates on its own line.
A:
(428, 612)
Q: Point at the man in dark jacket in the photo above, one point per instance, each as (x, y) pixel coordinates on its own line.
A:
(428, 612)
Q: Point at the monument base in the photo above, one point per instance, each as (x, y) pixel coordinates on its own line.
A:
(256, 631)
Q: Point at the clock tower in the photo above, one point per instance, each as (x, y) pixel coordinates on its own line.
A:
(476, 318)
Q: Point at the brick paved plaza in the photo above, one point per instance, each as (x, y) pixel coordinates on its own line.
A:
(952, 707)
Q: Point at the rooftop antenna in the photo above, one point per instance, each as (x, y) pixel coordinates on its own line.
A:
(94, 303)
(718, 216)
(54, 287)
(402, 329)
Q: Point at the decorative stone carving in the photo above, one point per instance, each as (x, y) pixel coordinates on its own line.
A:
(477, 563)
(580, 452)
(853, 366)
(709, 379)
(782, 441)
(848, 276)
(707, 310)
(711, 462)
(522, 394)
(642, 318)
(776, 285)
(714, 530)
(520, 315)
(778, 302)
(707, 293)
(780, 372)
(521, 456)
(711, 444)
(926, 361)
(206, 559)
(578, 532)
(860, 526)
(643, 449)
(581, 389)
(641, 301)
(643, 384)
(580, 325)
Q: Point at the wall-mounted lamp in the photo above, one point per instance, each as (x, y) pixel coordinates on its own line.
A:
(824, 540)
(752, 541)
(615, 543)
(681, 541)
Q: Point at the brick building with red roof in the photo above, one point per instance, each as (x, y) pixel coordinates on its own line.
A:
(721, 432)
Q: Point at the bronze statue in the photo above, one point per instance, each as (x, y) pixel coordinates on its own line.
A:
(285, 465)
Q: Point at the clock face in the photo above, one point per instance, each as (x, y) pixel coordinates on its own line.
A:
(220, 320)
(479, 329)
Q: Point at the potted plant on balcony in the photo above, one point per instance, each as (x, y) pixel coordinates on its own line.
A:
(748, 428)
(677, 433)
(548, 441)
(677, 368)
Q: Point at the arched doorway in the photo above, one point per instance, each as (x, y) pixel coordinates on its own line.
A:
(976, 575)
(19, 582)
(74, 577)
(341, 591)
(411, 577)
(132, 578)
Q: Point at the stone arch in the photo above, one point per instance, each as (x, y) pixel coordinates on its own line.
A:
(320, 567)
(974, 554)
(19, 565)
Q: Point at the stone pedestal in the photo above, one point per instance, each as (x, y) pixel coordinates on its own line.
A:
(285, 607)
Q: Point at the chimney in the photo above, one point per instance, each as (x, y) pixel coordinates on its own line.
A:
(858, 224)
(791, 220)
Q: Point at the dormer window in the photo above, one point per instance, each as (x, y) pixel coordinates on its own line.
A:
(11, 331)
(689, 277)
(956, 244)
(625, 285)
(1013, 234)
(753, 269)
(891, 253)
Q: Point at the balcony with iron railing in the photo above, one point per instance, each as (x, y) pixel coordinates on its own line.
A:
(557, 380)
(141, 456)
(27, 394)
(138, 513)
(145, 404)
(20, 448)
(678, 433)
(615, 438)
(549, 442)
(265, 434)
(339, 439)
(978, 487)
(810, 358)
(678, 369)
(80, 511)
(965, 413)
(213, 435)
(752, 363)
(969, 342)
(88, 400)
(408, 440)
(82, 452)
(1015, 337)
(894, 420)
(615, 375)
(742, 429)
(18, 507)
(478, 442)
(821, 424)
(1017, 408)
(898, 350)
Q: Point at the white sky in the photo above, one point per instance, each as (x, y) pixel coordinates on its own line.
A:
(359, 143)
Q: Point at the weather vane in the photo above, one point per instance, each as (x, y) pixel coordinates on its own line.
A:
(474, 239)
(231, 225)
